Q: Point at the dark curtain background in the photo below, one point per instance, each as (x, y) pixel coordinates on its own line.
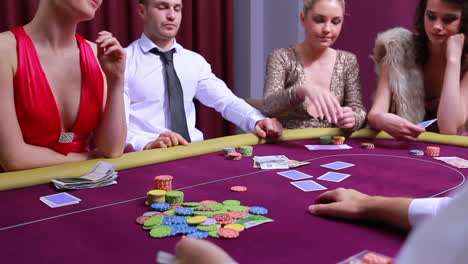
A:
(207, 28)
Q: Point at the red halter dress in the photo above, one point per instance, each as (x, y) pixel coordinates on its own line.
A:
(36, 108)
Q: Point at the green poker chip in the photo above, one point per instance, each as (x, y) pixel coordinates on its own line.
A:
(222, 211)
(155, 220)
(175, 197)
(236, 208)
(204, 213)
(213, 234)
(160, 231)
(246, 151)
(170, 212)
(191, 204)
(216, 206)
(208, 228)
(231, 202)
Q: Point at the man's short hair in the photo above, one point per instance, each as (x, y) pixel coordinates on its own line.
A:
(144, 2)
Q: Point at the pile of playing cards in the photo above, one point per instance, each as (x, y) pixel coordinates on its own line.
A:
(103, 174)
(276, 162)
(59, 199)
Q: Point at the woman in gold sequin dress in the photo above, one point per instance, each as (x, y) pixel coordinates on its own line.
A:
(310, 84)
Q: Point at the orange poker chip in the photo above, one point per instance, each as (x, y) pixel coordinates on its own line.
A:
(374, 258)
(236, 215)
(228, 233)
(207, 202)
(164, 177)
(234, 156)
(238, 188)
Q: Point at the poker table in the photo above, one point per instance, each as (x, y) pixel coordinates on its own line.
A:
(102, 227)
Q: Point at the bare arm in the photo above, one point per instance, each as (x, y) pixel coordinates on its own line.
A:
(452, 111)
(15, 153)
(351, 204)
(112, 130)
(379, 116)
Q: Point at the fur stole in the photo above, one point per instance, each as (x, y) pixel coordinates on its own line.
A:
(396, 48)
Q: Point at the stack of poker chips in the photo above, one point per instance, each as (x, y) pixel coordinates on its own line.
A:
(326, 140)
(338, 140)
(175, 197)
(416, 152)
(163, 182)
(234, 156)
(367, 146)
(156, 196)
(432, 151)
(228, 150)
(246, 151)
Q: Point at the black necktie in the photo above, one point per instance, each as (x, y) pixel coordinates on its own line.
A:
(175, 94)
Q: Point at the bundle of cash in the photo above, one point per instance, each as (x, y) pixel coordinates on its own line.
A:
(103, 174)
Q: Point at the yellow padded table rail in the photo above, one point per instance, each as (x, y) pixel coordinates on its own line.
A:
(26, 178)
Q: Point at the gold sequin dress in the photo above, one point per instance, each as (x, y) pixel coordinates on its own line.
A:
(285, 72)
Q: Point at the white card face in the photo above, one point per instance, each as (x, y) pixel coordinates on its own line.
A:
(337, 165)
(308, 186)
(59, 199)
(333, 176)
(427, 123)
(328, 147)
(294, 175)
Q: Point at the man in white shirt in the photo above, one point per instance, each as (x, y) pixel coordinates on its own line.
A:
(152, 115)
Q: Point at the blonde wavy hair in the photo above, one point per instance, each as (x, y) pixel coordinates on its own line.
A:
(309, 4)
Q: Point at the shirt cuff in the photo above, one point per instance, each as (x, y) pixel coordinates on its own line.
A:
(421, 209)
(254, 117)
(139, 143)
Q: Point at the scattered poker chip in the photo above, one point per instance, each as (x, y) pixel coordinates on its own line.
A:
(204, 209)
(236, 208)
(175, 206)
(170, 212)
(196, 220)
(208, 222)
(238, 188)
(367, 146)
(154, 220)
(141, 219)
(204, 213)
(246, 151)
(228, 233)
(374, 258)
(198, 234)
(258, 210)
(188, 230)
(326, 140)
(191, 204)
(432, 151)
(174, 220)
(234, 156)
(160, 231)
(416, 152)
(208, 228)
(225, 222)
(231, 202)
(207, 202)
(160, 207)
(216, 206)
(184, 211)
(221, 217)
(175, 197)
(228, 150)
(213, 234)
(237, 227)
(153, 213)
(236, 215)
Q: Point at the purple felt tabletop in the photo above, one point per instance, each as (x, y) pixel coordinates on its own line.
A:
(102, 227)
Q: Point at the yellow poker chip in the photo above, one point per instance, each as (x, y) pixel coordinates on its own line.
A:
(339, 137)
(237, 227)
(157, 192)
(196, 220)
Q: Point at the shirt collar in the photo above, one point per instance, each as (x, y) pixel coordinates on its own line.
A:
(147, 44)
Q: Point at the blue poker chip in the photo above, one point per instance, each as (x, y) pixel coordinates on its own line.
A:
(416, 152)
(160, 207)
(188, 230)
(174, 220)
(184, 211)
(177, 229)
(198, 234)
(258, 210)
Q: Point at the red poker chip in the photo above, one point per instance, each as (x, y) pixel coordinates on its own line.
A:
(234, 156)
(141, 219)
(205, 209)
(175, 206)
(225, 222)
(236, 215)
(221, 217)
(374, 258)
(164, 178)
(207, 202)
(228, 233)
(238, 188)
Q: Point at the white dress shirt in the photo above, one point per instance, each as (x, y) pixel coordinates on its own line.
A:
(146, 102)
(442, 238)
(422, 209)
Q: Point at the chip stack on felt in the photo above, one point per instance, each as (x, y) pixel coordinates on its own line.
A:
(163, 182)
(432, 151)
